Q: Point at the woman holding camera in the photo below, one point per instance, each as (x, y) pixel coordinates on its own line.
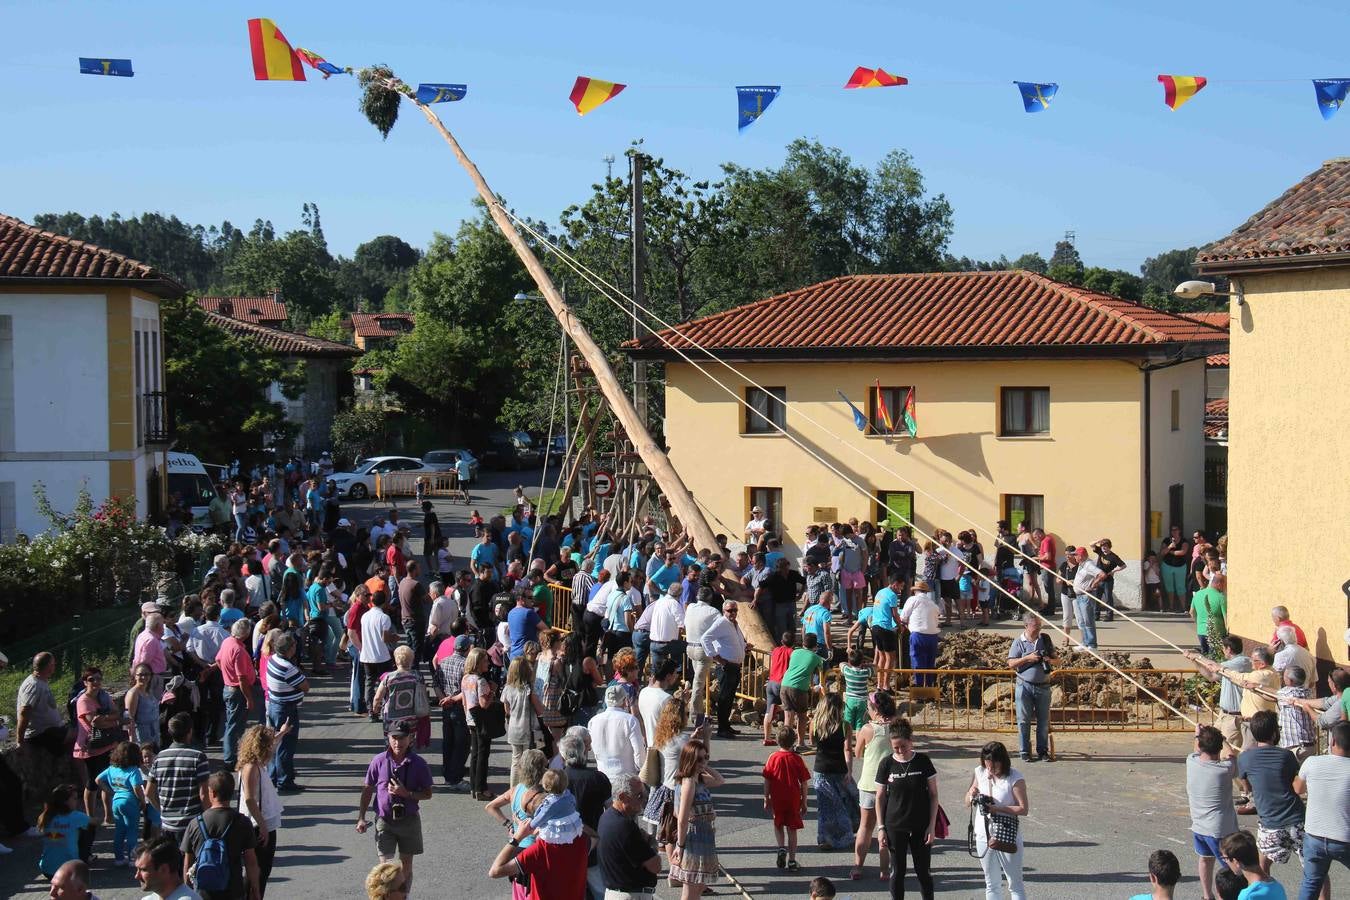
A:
(998, 793)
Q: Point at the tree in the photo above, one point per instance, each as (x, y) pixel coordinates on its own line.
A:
(331, 326)
(375, 267)
(297, 264)
(1065, 263)
(360, 431)
(1115, 282)
(1031, 262)
(218, 386)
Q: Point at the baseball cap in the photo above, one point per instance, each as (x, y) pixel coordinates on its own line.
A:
(462, 643)
(148, 607)
(344, 523)
(403, 727)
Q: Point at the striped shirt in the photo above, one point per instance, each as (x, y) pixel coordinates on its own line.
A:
(855, 682)
(1296, 726)
(177, 773)
(581, 586)
(283, 680)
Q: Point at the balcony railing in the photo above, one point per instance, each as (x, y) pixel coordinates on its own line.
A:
(156, 428)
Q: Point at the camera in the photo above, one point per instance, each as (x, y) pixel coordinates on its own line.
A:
(983, 802)
(397, 808)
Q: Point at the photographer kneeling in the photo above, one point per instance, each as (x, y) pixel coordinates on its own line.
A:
(998, 794)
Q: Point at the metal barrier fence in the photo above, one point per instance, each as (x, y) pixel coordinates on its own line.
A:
(404, 484)
(561, 609)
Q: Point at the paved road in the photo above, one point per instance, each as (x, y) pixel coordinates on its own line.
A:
(1096, 813)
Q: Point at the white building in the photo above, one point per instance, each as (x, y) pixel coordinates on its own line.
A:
(81, 375)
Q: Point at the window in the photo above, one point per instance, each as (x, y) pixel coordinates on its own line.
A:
(765, 402)
(770, 501)
(900, 501)
(894, 399)
(139, 389)
(1176, 410)
(1019, 508)
(1025, 410)
(1176, 506)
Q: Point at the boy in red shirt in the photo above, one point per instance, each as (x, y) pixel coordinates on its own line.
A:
(778, 663)
(785, 779)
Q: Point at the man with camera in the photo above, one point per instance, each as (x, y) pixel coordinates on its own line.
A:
(1029, 657)
(399, 780)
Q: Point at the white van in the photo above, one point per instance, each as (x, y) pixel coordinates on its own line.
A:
(189, 481)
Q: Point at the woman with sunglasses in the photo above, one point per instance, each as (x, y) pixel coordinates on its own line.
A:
(693, 862)
(98, 731)
(143, 706)
(386, 882)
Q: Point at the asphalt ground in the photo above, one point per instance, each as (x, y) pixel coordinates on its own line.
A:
(1096, 812)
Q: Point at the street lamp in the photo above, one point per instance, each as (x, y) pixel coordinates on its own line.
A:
(1194, 290)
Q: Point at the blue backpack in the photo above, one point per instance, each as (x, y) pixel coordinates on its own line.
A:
(213, 864)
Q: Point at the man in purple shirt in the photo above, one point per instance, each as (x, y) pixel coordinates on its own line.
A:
(399, 780)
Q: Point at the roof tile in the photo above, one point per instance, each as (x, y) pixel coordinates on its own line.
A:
(1216, 419)
(31, 254)
(936, 310)
(285, 343)
(248, 309)
(373, 325)
(1312, 217)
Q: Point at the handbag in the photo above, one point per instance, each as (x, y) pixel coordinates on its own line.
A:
(652, 768)
(942, 827)
(491, 720)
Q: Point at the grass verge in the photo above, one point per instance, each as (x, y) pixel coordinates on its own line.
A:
(100, 637)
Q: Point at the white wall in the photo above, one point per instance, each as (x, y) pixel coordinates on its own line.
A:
(62, 480)
(60, 372)
(1178, 457)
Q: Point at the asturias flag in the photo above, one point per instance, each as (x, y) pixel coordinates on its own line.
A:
(441, 93)
(99, 66)
(588, 93)
(1036, 96)
(273, 58)
(1177, 89)
(859, 420)
(911, 423)
(751, 101)
(1330, 94)
(883, 411)
(864, 77)
(318, 62)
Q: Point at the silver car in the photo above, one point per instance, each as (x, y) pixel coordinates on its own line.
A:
(445, 460)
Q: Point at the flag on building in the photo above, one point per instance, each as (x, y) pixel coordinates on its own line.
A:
(441, 93)
(864, 77)
(588, 93)
(273, 58)
(911, 423)
(882, 411)
(94, 65)
(752, 101)
(1177, 89)
(859, 420)
(316, 61)
(1036, 96)
(1330, 94)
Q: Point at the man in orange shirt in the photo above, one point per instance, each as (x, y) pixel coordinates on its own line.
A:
(1280, 615)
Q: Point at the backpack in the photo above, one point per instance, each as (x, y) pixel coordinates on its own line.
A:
(404, 698)
(213, 864)
(577, 690)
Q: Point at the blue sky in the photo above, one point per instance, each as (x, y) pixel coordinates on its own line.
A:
(193, 134)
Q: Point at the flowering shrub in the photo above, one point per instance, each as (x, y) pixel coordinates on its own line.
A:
(91, 557)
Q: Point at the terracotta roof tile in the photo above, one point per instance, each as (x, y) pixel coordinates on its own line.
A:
(1217, 360)
(935, 311)
(1312, 217)
(1216, 419)
(284, 343)
(1218, 318)
(248, 309)
(32, 255)
(378, 325)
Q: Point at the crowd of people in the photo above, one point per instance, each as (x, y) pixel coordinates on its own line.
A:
(612, 697)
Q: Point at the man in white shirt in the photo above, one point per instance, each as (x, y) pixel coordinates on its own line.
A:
(444, 613)
(1085, 581)
(377, 636)
(654, 696)
(667, 620)
(616, 736)
(724, 644)
(1291, 654)
(920, 615)
(698, 616)
(754, 529)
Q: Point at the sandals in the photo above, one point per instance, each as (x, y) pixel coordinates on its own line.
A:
(855, 874)
(792, 866)
(884, 875)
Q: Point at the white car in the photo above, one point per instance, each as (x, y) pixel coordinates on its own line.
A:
(359, 483)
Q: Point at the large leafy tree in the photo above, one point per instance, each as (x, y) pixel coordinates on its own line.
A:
(375, 268)
(1065, 263)
(299, 264)
(218, 386)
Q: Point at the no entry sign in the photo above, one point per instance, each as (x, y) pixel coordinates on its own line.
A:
(603, 482)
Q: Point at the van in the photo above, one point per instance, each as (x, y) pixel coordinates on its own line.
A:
(189, 482)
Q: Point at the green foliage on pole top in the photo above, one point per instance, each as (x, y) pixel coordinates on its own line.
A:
(380, 96)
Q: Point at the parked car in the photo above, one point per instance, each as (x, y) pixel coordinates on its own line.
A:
(359, 483)
(557, 449)
(445, 460)
(511, 450)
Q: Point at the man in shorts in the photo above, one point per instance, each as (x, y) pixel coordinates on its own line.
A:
(1209, 790)
(398, 779)
(1267, 771)
(803, 664)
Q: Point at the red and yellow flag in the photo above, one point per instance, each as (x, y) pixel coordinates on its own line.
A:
(1177, 89)
(273, 58)
(588, 93)
(868, 78)
(882, 410)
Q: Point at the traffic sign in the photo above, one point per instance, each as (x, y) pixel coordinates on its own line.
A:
(603, 482)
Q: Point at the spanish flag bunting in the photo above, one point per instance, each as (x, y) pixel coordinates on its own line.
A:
(273, 58)
(1177, 89)
(588, 93)
(882, 411)
(864, 77)
(316, 61)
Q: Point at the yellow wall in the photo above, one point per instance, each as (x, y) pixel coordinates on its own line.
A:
(1288, 466)
(1089, 468)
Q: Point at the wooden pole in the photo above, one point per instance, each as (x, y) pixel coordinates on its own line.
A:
(590, 422)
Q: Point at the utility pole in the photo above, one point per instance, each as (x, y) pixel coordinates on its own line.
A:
(639, 300)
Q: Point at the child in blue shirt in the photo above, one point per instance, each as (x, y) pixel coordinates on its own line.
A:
(123, 794)
(66, 831)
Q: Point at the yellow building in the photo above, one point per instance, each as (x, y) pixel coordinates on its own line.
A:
(1034, 401)
(82, 400)
(1288, 467)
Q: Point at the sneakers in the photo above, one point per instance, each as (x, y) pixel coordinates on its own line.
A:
(457, 788)
(32, 832)
(782, 858)
(1080, 648)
